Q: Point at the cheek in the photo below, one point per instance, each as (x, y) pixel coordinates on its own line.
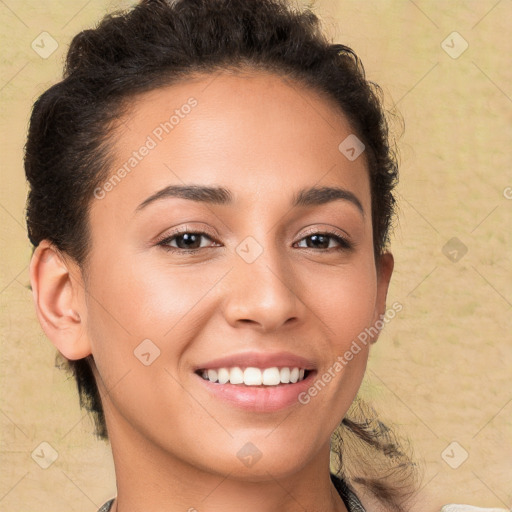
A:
(141, 299)
(345, 304)
(131, 300)
(345, 301)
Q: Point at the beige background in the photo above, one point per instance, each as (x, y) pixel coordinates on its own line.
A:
(441, 370)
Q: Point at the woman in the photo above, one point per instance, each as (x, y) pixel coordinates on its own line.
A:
(211, 191)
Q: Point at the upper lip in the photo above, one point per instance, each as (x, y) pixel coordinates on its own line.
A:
(258, 360)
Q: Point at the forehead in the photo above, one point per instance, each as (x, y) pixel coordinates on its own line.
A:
(258, 134)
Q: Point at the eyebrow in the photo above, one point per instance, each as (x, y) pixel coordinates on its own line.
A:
(313, 196)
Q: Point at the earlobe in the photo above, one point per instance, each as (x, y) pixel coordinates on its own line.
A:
(56, 289)
(385, 265)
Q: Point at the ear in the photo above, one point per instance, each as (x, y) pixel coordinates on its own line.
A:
(57, 289)
(385, 264)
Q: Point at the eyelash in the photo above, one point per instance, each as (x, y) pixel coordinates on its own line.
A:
(344, 244)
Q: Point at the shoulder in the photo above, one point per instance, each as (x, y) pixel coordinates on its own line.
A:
(106, 506)
(347, 495)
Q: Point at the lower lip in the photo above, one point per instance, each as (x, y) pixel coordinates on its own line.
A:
(259, 398)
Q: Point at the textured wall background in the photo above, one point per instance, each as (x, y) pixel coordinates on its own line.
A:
(441, 370)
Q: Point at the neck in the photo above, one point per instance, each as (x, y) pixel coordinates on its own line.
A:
(149, 478)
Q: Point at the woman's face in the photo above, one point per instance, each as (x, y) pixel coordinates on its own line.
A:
(260, 282)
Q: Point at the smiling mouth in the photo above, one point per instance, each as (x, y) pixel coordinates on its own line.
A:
(253, 376)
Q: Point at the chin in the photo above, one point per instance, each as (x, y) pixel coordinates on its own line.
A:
(260, 461)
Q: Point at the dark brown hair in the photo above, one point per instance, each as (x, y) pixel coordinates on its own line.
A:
(159, 43)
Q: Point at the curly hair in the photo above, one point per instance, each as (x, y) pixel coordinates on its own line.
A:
(158, 43)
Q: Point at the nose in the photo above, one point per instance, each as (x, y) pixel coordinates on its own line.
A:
(263, 293)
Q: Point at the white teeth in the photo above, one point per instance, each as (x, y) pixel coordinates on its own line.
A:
(252, 376)
(223, 375)
(285, 375)
(236, 375)
(271, 376)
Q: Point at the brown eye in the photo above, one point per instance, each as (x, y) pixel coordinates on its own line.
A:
(186, 241)
(322, 241)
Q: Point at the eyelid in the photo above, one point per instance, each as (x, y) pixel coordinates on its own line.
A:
(328, 231)
(203, 230)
